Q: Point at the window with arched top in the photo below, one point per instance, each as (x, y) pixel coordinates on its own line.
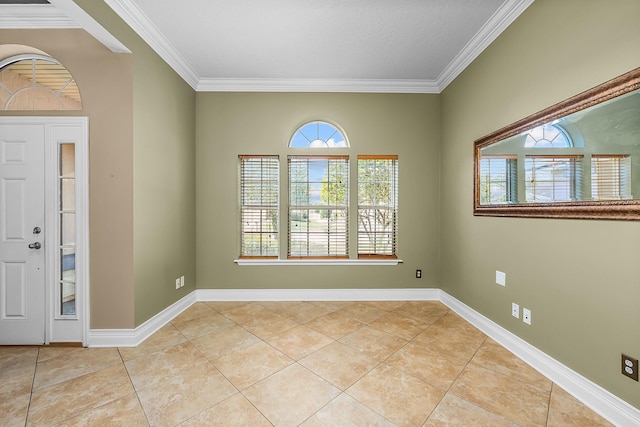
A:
(318, 134)
(549, 135)
(322, 197)
(33, 81)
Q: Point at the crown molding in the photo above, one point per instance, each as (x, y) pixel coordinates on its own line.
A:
(59, 14)
(138, 21)
(499, 22)
(34, 16)
(317, 85)
(67, 14)
(90, 25)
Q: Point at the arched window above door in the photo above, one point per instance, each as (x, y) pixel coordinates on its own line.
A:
(35, 81)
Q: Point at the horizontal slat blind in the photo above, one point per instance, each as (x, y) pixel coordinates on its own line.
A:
(377, 206)
(553, 178)
(610, 177)
(318, 206)
(259, 200)
(498, 180)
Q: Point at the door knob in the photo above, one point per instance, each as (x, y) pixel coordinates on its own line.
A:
(36, 245)
(37, 230)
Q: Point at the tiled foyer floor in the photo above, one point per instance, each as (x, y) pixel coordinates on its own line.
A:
(288, 364)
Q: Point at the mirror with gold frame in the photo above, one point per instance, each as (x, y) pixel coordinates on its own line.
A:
(579, 158)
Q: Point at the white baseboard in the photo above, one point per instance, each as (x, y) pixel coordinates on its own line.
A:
(609, 406)
(133, 337)
(404, 294)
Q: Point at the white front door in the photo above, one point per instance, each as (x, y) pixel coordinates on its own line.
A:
(22, 245)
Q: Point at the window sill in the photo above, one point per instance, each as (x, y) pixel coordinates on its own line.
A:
(243, 262)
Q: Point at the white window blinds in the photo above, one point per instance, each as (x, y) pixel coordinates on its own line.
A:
(498, 180)
(377, 206)
(318, 206)
(553, 178)
(610, 177)
(259, 206)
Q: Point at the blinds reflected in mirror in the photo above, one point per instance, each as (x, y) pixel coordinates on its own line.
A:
(498, 180)
(611, 177)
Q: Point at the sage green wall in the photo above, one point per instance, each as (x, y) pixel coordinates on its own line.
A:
(579, 277)
(230, 124)
(163, 173)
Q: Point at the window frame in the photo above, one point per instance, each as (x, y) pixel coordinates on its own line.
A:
(333, 239)
(392, 207)
(261, 207)
(574, 182)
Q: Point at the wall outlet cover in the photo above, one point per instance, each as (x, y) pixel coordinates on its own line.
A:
(515, 310)
(526, 316)
(501, 278)
(630, 367)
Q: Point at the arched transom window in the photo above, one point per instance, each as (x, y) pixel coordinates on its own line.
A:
(318, 134)
(547, 136)
(37, 82)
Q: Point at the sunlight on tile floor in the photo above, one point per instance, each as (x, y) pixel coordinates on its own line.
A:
(384, 363)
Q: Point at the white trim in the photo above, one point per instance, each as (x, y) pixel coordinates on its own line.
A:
(50, 235)
(317, 85)
(312, 261)
(403, 294)
(33, 16)
(138, 21)
(609, 406)
(58, 14)
(133, 337)
(499, 22)
(601, 401)
(84, 20)
(67, 14)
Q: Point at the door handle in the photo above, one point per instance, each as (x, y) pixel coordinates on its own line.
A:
(36, 245)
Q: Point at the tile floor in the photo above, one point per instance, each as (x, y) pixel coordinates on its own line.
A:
(389, 363)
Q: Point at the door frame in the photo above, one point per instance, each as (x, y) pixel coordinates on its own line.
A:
(59, 130)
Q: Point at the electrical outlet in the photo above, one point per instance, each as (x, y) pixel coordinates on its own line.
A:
(178, 283)
(526, 316)
(501, 278)
(181, 281)
(418, 274)
(630, 367)
(515, 310)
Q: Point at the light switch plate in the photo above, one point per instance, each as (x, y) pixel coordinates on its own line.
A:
(501, 278)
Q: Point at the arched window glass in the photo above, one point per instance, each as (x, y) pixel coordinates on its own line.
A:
(37, 82)
(547, 136)
(318, 135)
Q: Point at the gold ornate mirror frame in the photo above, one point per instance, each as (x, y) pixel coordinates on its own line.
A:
(628, 209)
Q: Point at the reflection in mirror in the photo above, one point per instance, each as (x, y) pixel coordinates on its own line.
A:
(577, 159)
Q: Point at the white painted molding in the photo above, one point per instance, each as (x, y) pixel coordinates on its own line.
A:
(67, 14)
(133, 337)
(138, 21)
(500, 20)
(33, 16)
(318, 85)
(84, 20)
(404, 294)
(267, 261)
(57, 15)
(607, 405)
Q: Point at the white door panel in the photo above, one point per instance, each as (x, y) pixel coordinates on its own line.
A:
(22, 273)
